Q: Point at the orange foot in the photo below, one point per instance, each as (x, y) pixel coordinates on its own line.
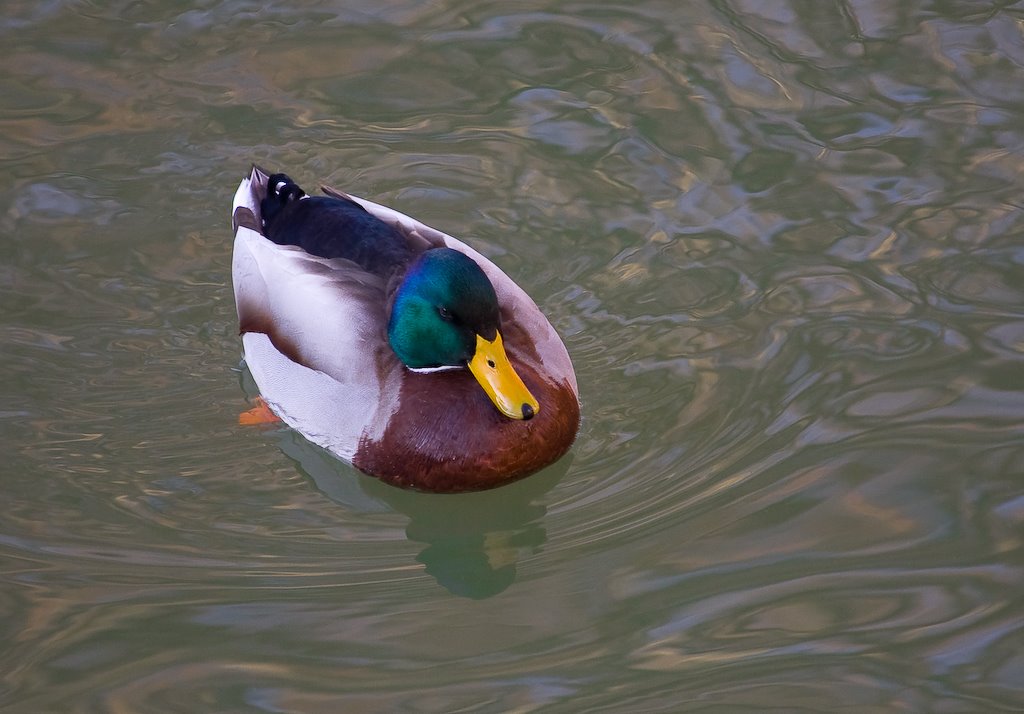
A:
(259, 414)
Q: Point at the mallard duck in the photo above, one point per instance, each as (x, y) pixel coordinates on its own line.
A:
(392, 345)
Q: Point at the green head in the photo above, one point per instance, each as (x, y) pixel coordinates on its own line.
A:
(446, 314)
(443, 303)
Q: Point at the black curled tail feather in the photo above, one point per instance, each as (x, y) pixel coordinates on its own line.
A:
(281, 191)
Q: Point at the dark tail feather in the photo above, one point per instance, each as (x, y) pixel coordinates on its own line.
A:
(281, 191)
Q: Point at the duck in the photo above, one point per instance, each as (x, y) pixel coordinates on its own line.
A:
(394, 346)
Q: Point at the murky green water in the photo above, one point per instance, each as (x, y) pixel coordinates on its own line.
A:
(784, 243)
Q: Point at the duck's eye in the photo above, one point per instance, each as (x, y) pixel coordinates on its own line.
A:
(445, 313)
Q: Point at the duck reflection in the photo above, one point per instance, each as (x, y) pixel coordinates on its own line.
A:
(473, 541)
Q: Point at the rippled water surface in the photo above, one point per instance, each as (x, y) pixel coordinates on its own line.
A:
(783, 241)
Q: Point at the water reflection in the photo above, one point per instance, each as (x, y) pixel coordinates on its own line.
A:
(782, 240)
(473, 541)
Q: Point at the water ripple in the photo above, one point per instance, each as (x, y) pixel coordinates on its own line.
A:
(783, 245)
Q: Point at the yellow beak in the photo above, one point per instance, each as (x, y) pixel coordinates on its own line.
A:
(492, 369)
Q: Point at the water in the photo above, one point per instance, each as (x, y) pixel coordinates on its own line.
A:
(784, 243)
